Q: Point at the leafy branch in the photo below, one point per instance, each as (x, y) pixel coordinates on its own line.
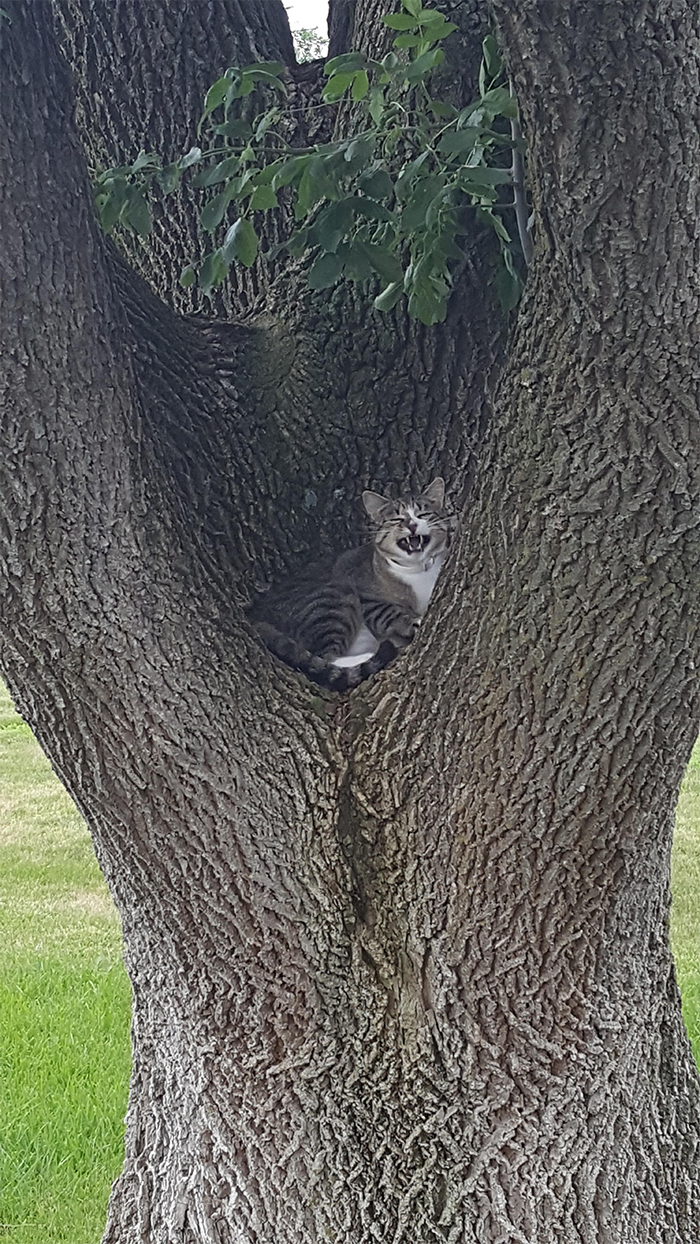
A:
(388, 202)
(309, 44)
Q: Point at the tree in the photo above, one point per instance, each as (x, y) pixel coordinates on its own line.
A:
(399, 959)
(309, 44)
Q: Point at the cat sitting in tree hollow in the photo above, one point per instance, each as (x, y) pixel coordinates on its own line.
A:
(341, 621)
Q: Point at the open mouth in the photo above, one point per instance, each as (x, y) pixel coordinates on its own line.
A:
(413, 544)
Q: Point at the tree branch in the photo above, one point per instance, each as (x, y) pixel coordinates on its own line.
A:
(174, 52)
(67, 386)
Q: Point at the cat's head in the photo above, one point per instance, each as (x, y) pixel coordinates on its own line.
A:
(414, 530)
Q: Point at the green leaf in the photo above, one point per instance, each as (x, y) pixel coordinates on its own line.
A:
(291, 169)
(484, 176)
(325, 271)
(347, 63)
(509, 286)
(413, 214)
(377, 184)
(485, 213)
(399, 21)
(492, 57)
(408, 174)
(507, 258)
(358, 153)
(332, 224)
(216, 173)
(265, 68)
(360, 86)
(389, 296)
(392, 139)
(297, 243)
(407, 41)
(268, 75)
(357, 265)
(137, 213)
(235, 127)
(445, 247)
(188, 276)
(110, 201)
(426, 309)
(482, 196)
(265, 176)
(382, 260)
(337, 86)
(263, 198)
(435, 25)
(422, 65)
(214, 211)
(265, 121)
(168, 178)
(459, 140)
(241, 243)
(144, 160)
(266, 72)
(436, 208)
(473, 114)
(243, 84)
(441, 109)
(428, 302)
(112, 174)
(193, 156)
(213, 271)
(215, 96)
(414, 6)
(246, 181)
(376, 104)
(369, 208)
(500, 102)
(312, 187)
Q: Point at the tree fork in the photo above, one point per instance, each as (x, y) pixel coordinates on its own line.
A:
(399, 960)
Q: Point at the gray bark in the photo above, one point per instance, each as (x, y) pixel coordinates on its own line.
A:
(399, 959)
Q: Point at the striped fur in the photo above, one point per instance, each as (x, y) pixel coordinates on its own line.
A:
(342, 621)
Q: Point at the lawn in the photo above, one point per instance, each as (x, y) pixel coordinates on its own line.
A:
(64, 998)
(685, 909)
(64, 1009)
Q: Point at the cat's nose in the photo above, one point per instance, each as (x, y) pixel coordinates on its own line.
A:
(412, 528)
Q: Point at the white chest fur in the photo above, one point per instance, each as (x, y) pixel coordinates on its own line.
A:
(420, 579)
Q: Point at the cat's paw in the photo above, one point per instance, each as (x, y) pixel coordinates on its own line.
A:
(404, 627)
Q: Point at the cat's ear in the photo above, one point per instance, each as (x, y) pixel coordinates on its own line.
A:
(434, 494)
(377, 506)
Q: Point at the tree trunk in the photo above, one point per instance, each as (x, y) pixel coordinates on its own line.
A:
(399, 959)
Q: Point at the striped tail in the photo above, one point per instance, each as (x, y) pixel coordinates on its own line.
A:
(318, 669)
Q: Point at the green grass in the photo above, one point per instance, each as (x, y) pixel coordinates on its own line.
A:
(685, 908)
(64, 998)
(64, 1009)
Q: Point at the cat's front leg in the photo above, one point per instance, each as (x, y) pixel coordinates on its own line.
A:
(389, 621)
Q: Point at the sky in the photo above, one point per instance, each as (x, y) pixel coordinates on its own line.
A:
(307, 14)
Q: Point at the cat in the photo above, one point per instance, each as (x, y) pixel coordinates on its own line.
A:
(342, 621)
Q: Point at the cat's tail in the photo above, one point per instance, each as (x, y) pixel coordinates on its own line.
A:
(320, 670)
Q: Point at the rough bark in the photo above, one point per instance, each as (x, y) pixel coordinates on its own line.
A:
(399, 959)
(141, 72)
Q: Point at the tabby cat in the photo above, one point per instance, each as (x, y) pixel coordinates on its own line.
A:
(340, 622)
